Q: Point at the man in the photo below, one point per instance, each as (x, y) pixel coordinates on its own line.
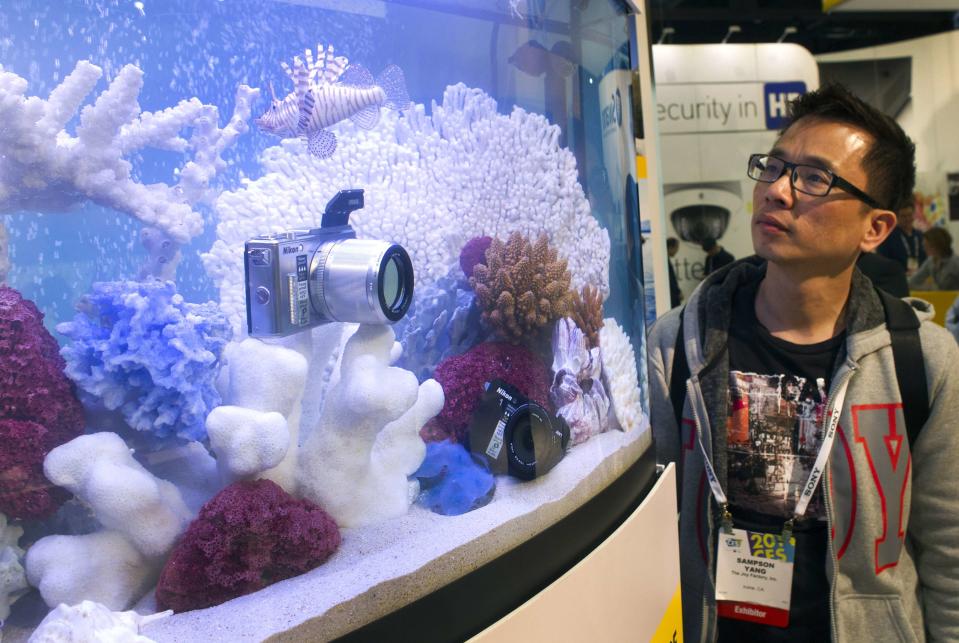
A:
(716, 256)
(675, 294)
(904, 243)
(777, 344)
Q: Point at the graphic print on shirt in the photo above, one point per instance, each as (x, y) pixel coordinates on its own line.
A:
(774, 432)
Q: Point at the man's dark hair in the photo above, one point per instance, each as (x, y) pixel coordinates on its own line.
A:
(672, 242)
(708, 244)
(890, 163)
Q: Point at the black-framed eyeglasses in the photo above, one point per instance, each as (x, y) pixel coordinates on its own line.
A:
(808, 179)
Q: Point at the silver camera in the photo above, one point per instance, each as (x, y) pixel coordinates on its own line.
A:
(299, 279)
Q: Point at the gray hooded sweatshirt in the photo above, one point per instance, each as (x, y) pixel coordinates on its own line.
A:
(893, 560)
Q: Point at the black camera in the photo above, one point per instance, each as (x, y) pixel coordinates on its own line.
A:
(515, 435)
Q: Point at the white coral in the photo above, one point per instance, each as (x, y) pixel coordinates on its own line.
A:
(254, 433)
(431, 183)
(143, 515)
(44, 168)
(619, 370)
(102, 566)
(247, 442)
(13, 580)
(90, 621)
(100, 470)
(355, 464)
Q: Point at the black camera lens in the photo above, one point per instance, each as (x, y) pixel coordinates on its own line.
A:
(534, 442)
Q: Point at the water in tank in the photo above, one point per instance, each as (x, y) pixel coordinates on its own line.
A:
(309, 306)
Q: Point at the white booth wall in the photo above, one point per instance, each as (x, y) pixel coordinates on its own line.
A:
(930, 117)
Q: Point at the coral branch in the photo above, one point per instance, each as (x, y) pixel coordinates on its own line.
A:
(103, 567)
(265, 393)
(522, 288)
(356, 462)
(44, 168)
(621, 376)
(587, 313)
(100, 470)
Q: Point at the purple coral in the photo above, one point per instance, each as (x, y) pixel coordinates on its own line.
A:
(140, 348)
(463, 377)
(473, 253)
(38, 409)
(250, 535)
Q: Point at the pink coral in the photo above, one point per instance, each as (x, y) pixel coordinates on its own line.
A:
(39, 409)
(474, 253)
(250, 535)
(463, 377)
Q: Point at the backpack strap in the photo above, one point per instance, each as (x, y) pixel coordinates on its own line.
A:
(679, 375)
(903, 325)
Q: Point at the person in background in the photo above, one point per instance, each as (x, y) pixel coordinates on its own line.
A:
(904, 243)
(716, 256)
(941, 267)
(675, 294)
(884, 273)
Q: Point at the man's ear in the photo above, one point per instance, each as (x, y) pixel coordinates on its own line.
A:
(881, 223)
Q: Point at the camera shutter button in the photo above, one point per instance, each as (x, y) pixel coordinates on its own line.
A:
(262, 295)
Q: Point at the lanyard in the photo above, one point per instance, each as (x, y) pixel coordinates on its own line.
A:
(819, 466)
(911, 245)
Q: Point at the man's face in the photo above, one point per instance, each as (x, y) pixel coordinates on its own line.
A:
(824, 233)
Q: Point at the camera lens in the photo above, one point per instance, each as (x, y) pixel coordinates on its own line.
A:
(534, 442)
(361, 281)
(395, 285)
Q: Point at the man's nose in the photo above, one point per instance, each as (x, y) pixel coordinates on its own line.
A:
(780, 190)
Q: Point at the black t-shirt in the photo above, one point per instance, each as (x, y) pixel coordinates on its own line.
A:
(777, 399)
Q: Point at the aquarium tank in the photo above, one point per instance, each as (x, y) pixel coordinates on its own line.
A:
(309, 309)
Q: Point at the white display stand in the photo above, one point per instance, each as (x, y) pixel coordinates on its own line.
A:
(627, 589)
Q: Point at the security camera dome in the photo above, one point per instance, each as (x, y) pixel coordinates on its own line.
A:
(699, 213)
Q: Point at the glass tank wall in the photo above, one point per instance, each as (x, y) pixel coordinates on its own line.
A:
(309, 307)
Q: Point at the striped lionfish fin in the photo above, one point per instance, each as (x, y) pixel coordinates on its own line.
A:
(304, 96)
(329, 67)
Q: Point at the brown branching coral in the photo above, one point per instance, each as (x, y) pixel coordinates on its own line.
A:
(522, 288)
(587, 312)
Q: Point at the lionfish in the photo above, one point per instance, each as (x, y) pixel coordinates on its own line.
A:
(328, 91)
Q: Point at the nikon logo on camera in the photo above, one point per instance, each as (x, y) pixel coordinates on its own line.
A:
(292, 250)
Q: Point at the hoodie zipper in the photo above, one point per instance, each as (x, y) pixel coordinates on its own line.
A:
(826, 498)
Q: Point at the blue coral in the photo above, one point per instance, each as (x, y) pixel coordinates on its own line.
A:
(442, 321)
(138, 347)
(451, 480)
